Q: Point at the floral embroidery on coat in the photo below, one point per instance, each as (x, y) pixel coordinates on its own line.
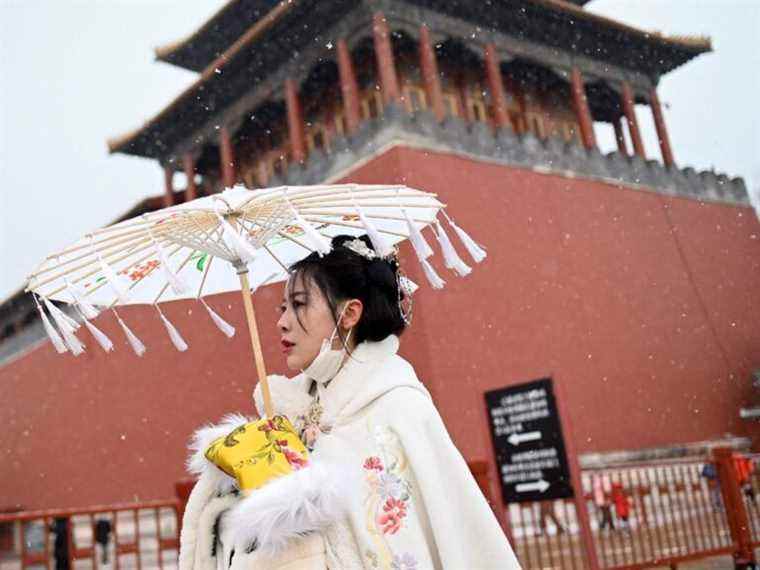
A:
(388, 500)
(404, 562)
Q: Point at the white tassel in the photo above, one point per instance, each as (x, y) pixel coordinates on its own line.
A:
(74, 344)
(419, 244)
(61, 319)
(223, 325)
(55, 338)
(78, 295)
(67, 326)
(117, 282)
(476, 251)
(71, 340)
(102, 339)
(177, 340)
(135, 342)
(378, 242)
(239, 245)
(177, 285)
(435, 280)
(317, 240)
(450, 258)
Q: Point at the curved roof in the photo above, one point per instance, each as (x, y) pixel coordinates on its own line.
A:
(200, 48)
(291, 25)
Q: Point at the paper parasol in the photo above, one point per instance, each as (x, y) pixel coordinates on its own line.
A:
(211, 245)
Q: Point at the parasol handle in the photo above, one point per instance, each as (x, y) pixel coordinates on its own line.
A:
(256, 343)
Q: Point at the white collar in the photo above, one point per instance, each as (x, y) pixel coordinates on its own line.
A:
(354, 387)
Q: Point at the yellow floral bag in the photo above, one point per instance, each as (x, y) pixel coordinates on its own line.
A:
(257, 452)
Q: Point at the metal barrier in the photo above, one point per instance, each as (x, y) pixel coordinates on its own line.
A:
(135, 536)
(672, 516)
(654, 514)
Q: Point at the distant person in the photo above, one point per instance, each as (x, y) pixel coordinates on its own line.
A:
(745, 468)
(547, 512)
(102, 536)
(710, 474)
(622, 505)
(60, 527)
(601, 491)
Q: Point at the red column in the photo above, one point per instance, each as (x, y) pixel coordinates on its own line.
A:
(633, 124)
(168, 186)
(262, 176)
(191, 192)
(582, 111)
(295, 122)
(496, 86)
(227, 158)
(348, 86)
(662, 131)
(587, 538)
(385, 65)
(620, 136)
(430, 76)
(522, 123)
(736, 510)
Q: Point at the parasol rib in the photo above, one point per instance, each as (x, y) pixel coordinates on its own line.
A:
(203, 279)
(349, 225)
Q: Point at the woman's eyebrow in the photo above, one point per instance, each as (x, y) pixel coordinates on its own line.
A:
(297, 293)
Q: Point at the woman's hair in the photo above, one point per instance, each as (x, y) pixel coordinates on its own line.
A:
(343, 274)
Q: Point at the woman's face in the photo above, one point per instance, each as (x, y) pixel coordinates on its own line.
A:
(301, 341)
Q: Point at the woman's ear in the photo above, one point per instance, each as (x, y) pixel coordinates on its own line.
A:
(352, 313)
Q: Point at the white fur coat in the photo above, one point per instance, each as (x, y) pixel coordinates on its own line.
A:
(386, 487)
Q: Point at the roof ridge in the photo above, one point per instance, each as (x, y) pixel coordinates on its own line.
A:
(687, 41)
(165, 51)
(117, 142)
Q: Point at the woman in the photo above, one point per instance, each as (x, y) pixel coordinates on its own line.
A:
(385, 487)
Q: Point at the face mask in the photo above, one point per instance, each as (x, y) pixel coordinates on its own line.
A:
(327, 363)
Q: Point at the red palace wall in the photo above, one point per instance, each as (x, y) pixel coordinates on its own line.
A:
(641, 305)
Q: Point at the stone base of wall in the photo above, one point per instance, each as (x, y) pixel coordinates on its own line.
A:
(552, 155)
(700, 449)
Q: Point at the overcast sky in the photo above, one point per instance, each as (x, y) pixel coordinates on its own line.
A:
(75, 72)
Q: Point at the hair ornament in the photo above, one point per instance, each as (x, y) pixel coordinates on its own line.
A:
(405, 301)
(360, 248)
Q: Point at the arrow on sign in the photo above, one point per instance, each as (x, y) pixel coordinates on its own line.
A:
(518, 438)
(539, 485)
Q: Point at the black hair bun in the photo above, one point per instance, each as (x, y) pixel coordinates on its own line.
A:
(380, 272)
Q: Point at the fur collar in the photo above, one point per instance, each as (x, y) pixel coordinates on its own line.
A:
(198, 465)
(290, 396)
